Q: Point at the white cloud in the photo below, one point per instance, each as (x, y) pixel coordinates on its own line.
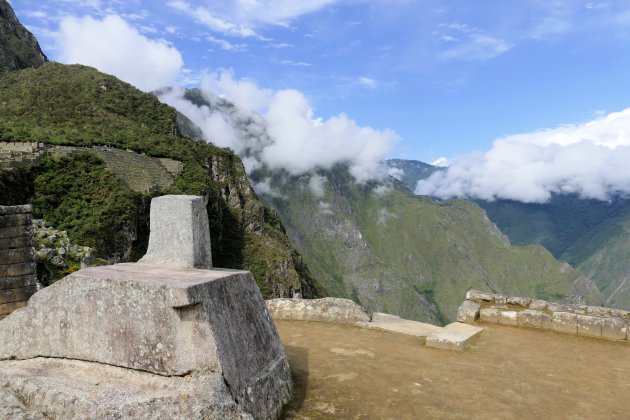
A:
(394, 172)
(241, 17)
(471, 44)
(226, 45)
(367, 82)
(295, 63)
(441, 162)
(324, 208)
(317, 185)
(589, 159)
(115, 47)
(279, 129)
(384, 215)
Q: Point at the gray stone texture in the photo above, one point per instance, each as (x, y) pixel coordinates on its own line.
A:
(476, 295)
(500, 299)
(614, 328)
(508, 318)
(564, 322)
(598, 311)
(337, 310)
(589, 325)
(468, 312)
(530, 318)
(489, 315)
(180, 233)
(456, 336)
(18, 278)
(162, 320)
(519, 301)
(71, 389)
(539, 305)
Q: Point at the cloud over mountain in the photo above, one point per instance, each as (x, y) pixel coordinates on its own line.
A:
(589, 159)
(279, 129)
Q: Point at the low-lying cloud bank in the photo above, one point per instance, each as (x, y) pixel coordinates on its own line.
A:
(279, 129)
(591, 160)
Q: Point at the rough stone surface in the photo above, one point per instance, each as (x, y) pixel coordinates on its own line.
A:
(393, 323)
(519, 301)
(180, 234)
(161, 320)
(539, 305)
(589, 325)
(564, 322)
(489, 314)
(614, 328)
(64, 389)
(455, 336)
(500, 299)
(337, 310)
(476, 295)
(530, 318)
(597, 311)
(468, 312)
(508, 318)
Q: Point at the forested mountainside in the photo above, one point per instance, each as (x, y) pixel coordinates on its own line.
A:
(76, 105)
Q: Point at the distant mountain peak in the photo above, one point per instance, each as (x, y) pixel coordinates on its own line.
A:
(19, 49)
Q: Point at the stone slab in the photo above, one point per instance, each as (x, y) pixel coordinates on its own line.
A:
(4, 210)
(336, 310)
(489, 314)
(180, 233)
(12, 220)
(589, 325)
(614, 328)
(476, 295)
(539, 305)
(16, 232)
(519, 301)
(598, 311)
(531, 318)
(508, 318)
(8, 308)
(161, 320)
(18, 270)
(17, 256)
(499, 299)
(393, 323)
(17, 282)
(468, 312)
(564, 322)
(23, 242)
(16, 295)
(69, 389)
(455, 336)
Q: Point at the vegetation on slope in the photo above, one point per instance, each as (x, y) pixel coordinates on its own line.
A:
(79, 106)
(412, 256)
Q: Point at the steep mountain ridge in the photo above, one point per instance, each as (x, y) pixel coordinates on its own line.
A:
(18, 47)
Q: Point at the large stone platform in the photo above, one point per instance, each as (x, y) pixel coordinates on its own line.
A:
(186, 342)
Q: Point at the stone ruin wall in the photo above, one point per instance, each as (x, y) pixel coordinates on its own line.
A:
(590, 321)
(18, 270)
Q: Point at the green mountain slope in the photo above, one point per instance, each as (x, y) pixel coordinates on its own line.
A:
(591, 235)
(79, 106)
(409, 172)
(395, 252)
(18, 47)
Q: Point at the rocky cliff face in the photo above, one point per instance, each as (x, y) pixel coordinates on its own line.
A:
(18, 47)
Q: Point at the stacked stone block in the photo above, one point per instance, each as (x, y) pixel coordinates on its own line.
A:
(18, 274)
(590, 321)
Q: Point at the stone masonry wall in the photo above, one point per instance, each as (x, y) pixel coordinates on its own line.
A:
(18, 274)
(591, 321)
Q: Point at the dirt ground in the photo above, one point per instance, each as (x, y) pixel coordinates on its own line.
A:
(347, 372)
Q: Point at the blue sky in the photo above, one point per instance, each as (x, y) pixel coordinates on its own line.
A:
(448, 77)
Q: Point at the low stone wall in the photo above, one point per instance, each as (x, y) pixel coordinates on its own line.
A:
(18, 271)
(591, 321)
(342, 311)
